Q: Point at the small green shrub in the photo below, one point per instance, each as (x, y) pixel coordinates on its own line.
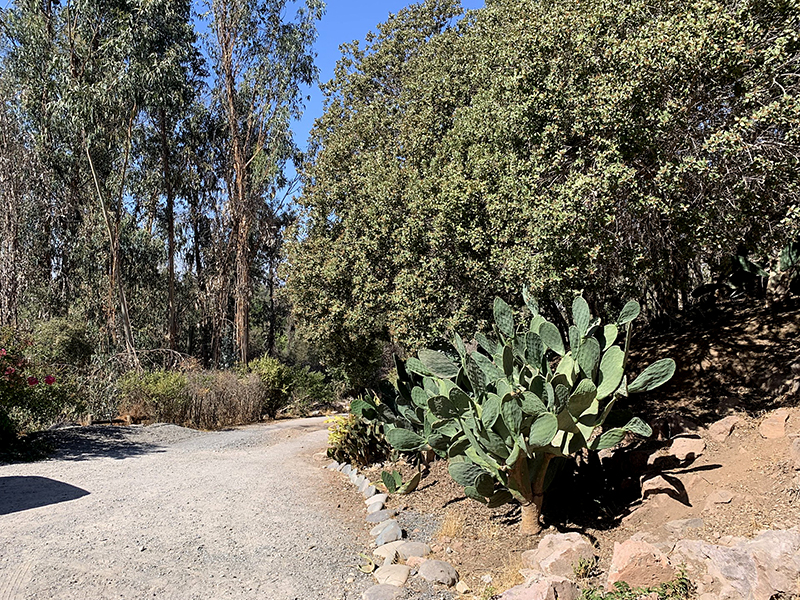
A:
(678, 589)
(161, 395)
(277, 379)
(354, 440)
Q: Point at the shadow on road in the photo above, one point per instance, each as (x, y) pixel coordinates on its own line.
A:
(84, 443)
(18, 493)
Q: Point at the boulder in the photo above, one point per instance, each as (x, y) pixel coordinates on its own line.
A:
(639, 564)
(774, 426)
(396, 575)
(659, 485)
(438, 571)
(558, 553)
(684, 448)
(757, 569)
(720, 430)
(543, 587)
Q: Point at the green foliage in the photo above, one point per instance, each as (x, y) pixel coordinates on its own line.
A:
(291, 385)
(33, 394)
(501, 414)
(355, 440)
(678, 589)
(393, 481)
(62, 341)
(566, 145)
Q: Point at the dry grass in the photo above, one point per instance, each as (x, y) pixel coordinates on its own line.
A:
(453, 525)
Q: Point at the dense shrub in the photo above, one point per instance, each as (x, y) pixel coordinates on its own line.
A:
(353, 439)
(33, 394)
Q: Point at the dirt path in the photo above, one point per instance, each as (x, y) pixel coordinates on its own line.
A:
(165, 512)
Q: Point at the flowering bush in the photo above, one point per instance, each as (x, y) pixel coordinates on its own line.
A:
(31, 397)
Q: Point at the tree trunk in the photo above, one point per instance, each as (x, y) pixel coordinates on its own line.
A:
(172, 324)
(530, 492)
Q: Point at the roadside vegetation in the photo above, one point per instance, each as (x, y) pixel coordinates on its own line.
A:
(488, 202)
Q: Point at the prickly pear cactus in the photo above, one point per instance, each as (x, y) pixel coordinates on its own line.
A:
(523, 397)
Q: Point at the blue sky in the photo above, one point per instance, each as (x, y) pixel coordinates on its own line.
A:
(345, 21)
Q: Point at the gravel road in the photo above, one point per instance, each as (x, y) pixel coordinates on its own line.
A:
(171, 513)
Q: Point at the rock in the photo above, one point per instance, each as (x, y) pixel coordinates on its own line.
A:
(680, 528)
(438, 571)
(334, 466)
(390, 533)
(388, 550)
(543, 587)
(757, 569)
(684, 448)
(557, 554)
(794, 451)
(396, 575)
(374, 508)
(381, 592)
(409, 549)
(639, 564)
(774, 426)
(378, 515)
(415, 561)
(380, 527)
(462, 588)
(358, 480)
(363, 485)
(718, 497)
(659, 485)
(376, 498)
(720, 430)
(347, 469)
(369, 492)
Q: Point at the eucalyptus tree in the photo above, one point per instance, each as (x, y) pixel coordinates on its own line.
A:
(260, 60)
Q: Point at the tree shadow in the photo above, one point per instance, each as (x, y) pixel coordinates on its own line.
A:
(19, 493)
(86, 443)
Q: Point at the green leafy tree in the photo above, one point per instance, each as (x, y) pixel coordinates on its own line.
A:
(615, 148)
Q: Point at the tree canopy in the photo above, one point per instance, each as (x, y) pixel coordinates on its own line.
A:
(621, 149)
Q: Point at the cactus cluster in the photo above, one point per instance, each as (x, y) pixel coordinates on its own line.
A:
(501, 411)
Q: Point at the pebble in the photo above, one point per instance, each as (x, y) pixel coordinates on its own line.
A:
(369, 492)
(409, 549)
(347, 469)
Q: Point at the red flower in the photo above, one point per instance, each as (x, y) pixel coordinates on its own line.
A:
(3, 352)
(49, 380)
(32, 381)
(10, 371)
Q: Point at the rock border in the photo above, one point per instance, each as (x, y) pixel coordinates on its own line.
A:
(401, 557)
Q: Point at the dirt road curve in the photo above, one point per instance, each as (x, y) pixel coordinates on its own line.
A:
(169, 513)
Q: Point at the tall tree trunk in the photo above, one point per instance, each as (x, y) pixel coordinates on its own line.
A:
(172, 323)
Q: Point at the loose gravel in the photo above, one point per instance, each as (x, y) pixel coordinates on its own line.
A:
(171, 513)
